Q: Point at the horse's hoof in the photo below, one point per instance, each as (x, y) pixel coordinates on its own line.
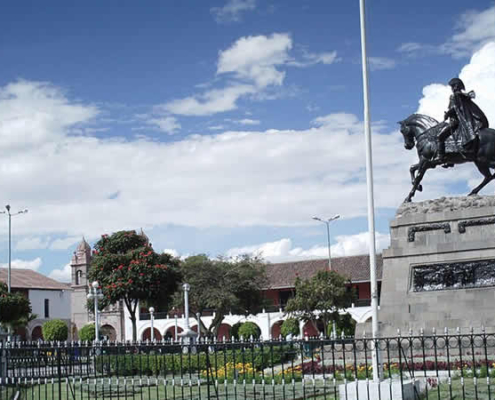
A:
(420, 188)
(472, 194)
(407, 200)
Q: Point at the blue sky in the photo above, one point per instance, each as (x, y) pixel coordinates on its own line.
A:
(221, 126)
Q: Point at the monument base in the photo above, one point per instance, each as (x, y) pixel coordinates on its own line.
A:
(439, 271)
(385, 390)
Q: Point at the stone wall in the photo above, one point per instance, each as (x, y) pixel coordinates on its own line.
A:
(442, 231)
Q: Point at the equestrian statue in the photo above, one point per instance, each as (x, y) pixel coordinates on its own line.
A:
(463, 136)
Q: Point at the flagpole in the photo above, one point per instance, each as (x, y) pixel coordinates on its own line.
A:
(369, 184)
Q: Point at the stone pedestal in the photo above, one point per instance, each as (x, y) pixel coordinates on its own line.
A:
(385, 390)
(439, 270)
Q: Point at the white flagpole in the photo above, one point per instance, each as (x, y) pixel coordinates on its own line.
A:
(369, 184)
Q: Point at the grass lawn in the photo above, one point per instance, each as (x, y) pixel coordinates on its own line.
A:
(230, 391)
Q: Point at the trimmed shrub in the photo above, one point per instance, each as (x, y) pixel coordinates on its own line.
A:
(290, 327)
(87, 333)
(56, 330)
(248, 329)
(162, 364)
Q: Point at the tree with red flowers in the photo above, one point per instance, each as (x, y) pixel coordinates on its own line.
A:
(127, 268)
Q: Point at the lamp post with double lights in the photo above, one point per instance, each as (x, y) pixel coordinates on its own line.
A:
(327, 223)
(10, 215)
(152, 319)
(95, 294)
(188, 334)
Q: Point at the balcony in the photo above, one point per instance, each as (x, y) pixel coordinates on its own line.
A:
(362, 303)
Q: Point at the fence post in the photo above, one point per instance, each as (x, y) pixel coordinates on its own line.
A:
(59, 372)
(3, 362)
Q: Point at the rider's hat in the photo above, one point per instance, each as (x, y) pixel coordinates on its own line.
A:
(457, 81)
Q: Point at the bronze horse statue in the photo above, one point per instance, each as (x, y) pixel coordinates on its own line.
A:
(422, 131)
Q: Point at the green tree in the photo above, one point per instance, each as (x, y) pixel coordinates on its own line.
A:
(320, 298)
(344, 324)
(13, 306)
(127, 268)
(87, 333)
(55, 330)
(223, 285)
(290, 327)
(248, 329)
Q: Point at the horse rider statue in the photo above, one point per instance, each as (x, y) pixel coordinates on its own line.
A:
(466, 120)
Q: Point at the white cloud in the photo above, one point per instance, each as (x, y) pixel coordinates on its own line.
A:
(70, 181)
(64, 244)
(478, 75)
(310, 59)
(283, 249)
(253, 66)
(210, 102)
(247, 121)
(232, 10)
(172, 252)
(256, 58)
(63, 274)
(216, 127)
(32, 243)
(380, 63)
(50, 114)
(166, 124)
(24, 264)
(474, 29)
(350, 245)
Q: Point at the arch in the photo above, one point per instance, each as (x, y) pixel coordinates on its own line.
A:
(147, 334)
(224, 332)
(109, 332)
(276, 329)
(37, 333)
(309, 329)
(170, 332)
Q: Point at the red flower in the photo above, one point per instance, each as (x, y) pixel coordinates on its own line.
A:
(130, 280)
(141, 274)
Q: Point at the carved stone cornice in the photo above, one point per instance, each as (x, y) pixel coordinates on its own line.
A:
(461, 226)
(411, 233)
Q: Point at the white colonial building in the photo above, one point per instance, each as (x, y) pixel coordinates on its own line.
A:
(49, 299)
(116, 325)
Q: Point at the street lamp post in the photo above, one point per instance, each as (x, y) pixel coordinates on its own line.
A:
(327, 223)
(95, 295)
(152, 319)
(188, 333)
(10, 215)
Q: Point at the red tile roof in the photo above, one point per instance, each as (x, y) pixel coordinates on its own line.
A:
(29, 279)
(356, 268)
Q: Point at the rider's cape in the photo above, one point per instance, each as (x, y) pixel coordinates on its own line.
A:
(470, 117)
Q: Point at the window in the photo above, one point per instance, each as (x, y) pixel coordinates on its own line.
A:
(47, 308)
(284, 297)
(78, 277)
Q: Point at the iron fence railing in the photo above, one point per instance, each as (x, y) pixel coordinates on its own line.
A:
(445, 366)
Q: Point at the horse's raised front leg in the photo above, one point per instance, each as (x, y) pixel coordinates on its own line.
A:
(419, 177)
(485, 170)
(412, 169)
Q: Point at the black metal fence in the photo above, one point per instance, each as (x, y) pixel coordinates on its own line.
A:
(445, 366)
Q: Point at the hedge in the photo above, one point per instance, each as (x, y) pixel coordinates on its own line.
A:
(155, 364)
